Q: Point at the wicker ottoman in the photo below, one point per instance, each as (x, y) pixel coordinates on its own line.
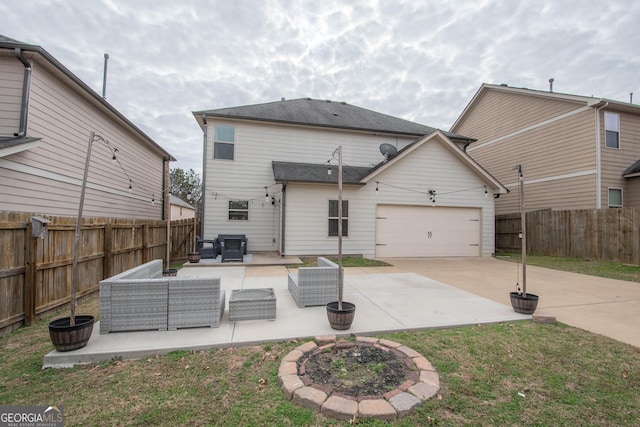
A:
(252, 304)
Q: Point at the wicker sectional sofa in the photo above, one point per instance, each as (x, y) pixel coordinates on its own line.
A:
(315, 285)
(142, 299)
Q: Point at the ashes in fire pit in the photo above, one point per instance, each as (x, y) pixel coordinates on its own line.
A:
(356, 370)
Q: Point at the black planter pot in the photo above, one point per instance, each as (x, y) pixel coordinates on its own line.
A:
(170, 272)
(340, 319)
(523, 305)
(194, 257)
(66, 337)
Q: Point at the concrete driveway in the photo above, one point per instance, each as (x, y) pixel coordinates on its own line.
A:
(604, 306)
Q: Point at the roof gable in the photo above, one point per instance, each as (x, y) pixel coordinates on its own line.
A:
(441, 138)
(588, 101)
(330, 114)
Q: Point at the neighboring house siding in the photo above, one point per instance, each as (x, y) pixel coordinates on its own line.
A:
(503, 113)
(557, 151)
(616, 161)
(631, 196)
(48, 179)
(244, 178)
(11, 76)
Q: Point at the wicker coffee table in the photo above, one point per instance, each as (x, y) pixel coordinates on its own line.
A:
(252, 304)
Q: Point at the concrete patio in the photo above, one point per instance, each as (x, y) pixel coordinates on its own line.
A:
(387, 299)
(414, 293)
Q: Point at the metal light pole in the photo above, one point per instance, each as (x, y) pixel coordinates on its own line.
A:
(340, 269)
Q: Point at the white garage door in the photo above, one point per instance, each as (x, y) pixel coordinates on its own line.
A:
(419, 231)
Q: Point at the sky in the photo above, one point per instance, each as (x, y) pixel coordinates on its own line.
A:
(419, 60)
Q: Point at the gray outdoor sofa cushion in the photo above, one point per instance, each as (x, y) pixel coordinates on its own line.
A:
(315, 285)
(142, 299)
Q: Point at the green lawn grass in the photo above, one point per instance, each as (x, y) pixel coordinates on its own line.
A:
(611, 270)
(516, 374)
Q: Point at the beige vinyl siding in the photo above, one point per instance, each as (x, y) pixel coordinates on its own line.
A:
(245, 177)
(557, 154)
(616, 161)
(63, 116)
(11, 77)
(499, 113)
(631, 192)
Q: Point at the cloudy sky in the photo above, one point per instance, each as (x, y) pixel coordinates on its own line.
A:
(419, 60)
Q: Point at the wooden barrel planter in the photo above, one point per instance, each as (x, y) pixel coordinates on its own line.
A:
(170, 272)
(522, 304)
(194, 257)
(341, 319)
(66, 337)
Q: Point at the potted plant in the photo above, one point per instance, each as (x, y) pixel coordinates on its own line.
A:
(340, 313)
(73, 332)
(521, 301)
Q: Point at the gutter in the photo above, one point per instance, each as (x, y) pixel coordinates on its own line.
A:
(203, 200)
(26, 90)
(599, 159)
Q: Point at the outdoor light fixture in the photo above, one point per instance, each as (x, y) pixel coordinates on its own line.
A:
(130, 187)
(432, 197)
(266, 194)
(329, 170)
(377, 187)
(486, 194)
(153, 199)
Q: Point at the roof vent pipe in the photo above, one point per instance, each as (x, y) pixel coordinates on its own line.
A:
(26, 90)
(104, 77)
(630, 97)
(551, 84)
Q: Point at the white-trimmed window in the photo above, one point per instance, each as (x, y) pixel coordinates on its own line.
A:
(224, 138)
(612, 130)
(333, 218)
(615, 197)
(238, 210)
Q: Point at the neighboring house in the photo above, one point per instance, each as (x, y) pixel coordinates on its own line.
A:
(265, 174)
(181, 209)
(577, 152)
(47, 115)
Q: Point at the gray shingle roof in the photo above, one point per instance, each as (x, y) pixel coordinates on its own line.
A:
(315, 112)
(633, 169)
(317, 173)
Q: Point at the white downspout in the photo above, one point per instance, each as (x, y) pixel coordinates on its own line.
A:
(599, 159)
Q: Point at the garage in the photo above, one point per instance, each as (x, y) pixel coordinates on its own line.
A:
(426, 231)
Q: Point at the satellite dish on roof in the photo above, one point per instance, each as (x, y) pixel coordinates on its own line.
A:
(388, 151)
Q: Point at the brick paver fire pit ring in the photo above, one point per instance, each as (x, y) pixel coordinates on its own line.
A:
(424, 383)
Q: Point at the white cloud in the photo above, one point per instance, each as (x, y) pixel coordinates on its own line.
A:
(422, 61)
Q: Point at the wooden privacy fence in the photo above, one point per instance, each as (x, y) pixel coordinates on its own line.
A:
(602, 234)
(35, 273)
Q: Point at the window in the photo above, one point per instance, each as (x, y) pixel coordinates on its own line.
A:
(223, 139)
(238, 210)
(612, 130)
(615, 198)
(333, 218)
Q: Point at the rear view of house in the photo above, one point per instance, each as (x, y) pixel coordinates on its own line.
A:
(577, 152)
(47, 115)
(270, 172)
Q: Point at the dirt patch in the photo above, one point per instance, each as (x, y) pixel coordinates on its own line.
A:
(356, 370)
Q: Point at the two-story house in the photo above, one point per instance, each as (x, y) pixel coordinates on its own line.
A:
(270, 172)
(577, 152)
(47, 115)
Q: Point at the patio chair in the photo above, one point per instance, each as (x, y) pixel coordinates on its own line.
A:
(217, 242)
(205, 250)
(232, 249)
(315, 285)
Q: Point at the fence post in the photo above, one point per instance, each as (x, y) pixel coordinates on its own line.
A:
(31, 251)
(108, 247)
